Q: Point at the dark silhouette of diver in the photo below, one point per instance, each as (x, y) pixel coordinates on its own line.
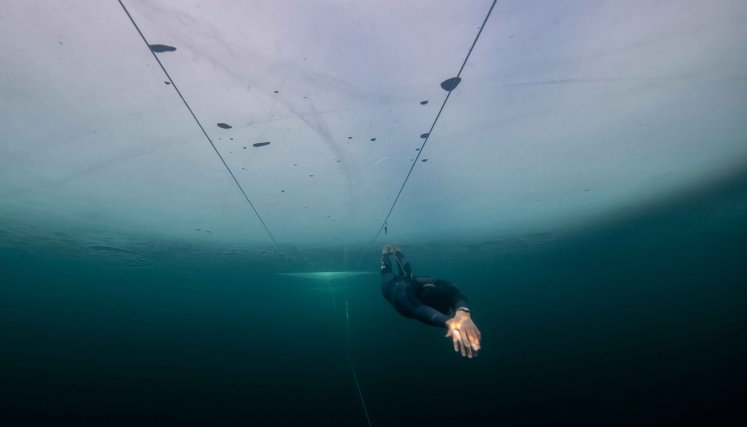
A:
(429, 300)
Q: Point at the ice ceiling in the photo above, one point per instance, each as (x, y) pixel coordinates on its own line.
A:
(567, 112)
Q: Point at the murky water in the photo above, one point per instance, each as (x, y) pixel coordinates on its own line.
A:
(638, 321)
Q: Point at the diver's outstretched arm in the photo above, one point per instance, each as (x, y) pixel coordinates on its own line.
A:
(457, 301)
(429, 315)
(462, 330)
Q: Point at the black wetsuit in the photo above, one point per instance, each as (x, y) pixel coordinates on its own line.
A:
(424, 298)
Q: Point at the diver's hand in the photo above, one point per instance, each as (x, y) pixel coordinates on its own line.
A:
(464, 334)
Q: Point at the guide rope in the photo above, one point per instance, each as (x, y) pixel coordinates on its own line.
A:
(348, 348)
(350, 362)
(199, 124)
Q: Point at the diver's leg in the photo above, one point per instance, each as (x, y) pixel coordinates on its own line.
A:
(387, 275)
(403, 264)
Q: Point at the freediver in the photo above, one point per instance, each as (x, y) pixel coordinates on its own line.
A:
(432, 301)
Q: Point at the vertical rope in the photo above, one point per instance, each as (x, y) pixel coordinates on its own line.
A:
(348, 346)
(350, 361)
(332, 295)
(429, 134)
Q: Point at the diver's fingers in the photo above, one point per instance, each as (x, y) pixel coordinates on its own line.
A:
(458, 341)
(474, 332)
(467, 347)
(473, 340)
(474, 337)
(464, 348)
(455, 340)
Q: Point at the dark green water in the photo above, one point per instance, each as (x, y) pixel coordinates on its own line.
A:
(639, 320)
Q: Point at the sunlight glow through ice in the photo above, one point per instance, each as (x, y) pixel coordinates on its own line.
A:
(326, 275)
